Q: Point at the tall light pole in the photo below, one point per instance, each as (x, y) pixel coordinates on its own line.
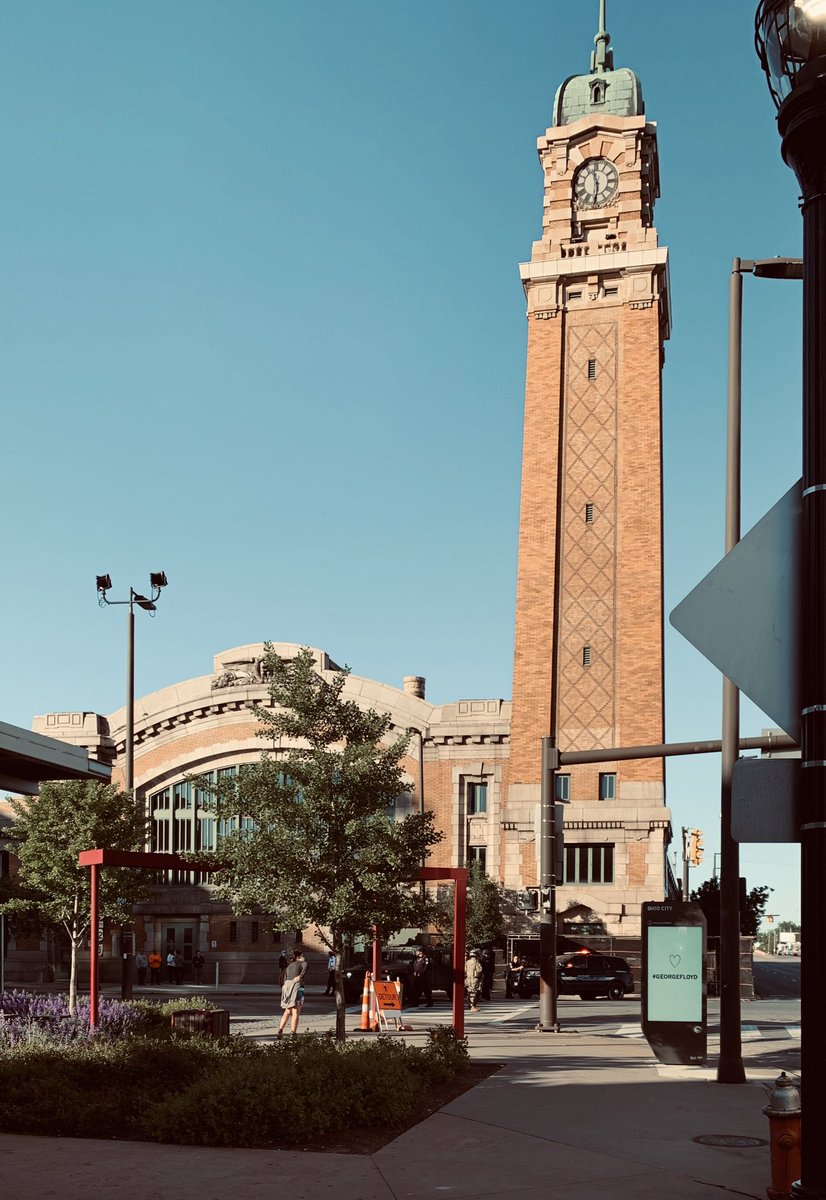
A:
(420, 733)
(791, 42)
(157, 582)
(730, 1063)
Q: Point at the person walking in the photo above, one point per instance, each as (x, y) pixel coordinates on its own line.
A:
(422, 978)
(141, 964)
(155, 963)
(331, 975)
(292, 993)
(473, 979)
(513, 976)
(198, 961)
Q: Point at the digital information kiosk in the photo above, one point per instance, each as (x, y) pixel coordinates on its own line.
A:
(673, 982)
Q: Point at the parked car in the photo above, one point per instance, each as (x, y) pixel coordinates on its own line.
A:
(585, 975)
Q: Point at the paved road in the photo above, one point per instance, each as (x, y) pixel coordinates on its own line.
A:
(776, 977)
(774, 1019)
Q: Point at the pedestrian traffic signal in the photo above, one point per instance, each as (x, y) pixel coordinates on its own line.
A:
(528, 900)
(695, 847)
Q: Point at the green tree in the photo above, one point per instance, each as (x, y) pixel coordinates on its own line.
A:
(707, 895)
(485, 922)
(49, 832)
(318, 844)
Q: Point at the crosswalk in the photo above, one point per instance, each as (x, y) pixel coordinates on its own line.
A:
(521, 1015)
(748, 1033)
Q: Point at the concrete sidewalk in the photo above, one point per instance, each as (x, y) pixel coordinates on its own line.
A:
(569, 1116)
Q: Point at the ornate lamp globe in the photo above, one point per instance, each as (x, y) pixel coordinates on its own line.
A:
(791, 42)
(790, 36)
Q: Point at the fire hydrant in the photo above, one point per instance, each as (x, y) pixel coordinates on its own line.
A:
(783, 1111)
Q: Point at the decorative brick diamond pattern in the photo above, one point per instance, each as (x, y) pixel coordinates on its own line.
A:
(586, 710)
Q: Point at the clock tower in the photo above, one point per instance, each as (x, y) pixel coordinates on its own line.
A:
(588, 661)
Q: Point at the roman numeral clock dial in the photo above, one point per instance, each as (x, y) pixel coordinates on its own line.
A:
(595, 183)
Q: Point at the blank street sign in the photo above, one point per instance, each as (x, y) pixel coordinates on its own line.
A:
(765, 800)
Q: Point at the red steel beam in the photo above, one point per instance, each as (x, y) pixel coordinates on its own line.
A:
(149, 860)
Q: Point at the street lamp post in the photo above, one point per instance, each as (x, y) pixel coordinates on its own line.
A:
(791, 43)
(157, 582)
(730, 1063)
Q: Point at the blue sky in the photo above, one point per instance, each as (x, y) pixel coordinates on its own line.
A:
(262, 328)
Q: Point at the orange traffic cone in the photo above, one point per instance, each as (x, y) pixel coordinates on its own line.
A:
(374, 1008)
(365, 1003)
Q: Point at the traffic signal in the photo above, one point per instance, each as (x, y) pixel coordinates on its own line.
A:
(528, 900)
(695, 847)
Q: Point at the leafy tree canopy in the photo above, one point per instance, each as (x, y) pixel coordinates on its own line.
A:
(49, 832)
(485, 922)
(318, 844)
(707, 895)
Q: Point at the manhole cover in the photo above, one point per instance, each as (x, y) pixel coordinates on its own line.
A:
(729, 1139)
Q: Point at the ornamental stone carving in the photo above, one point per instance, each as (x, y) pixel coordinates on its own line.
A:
(244, 672)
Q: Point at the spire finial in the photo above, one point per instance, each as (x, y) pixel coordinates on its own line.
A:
(602, 59)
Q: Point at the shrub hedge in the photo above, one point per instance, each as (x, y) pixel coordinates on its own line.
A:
(214, 1092)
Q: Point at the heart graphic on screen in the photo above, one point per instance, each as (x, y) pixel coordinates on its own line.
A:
(675, 960)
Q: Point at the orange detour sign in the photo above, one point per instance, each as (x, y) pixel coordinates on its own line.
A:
(389, 1000)
(387, 996)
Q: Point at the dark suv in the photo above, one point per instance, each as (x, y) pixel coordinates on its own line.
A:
(584, 975)
(397, 963)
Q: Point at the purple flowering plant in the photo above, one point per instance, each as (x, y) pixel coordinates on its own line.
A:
(45, 1018)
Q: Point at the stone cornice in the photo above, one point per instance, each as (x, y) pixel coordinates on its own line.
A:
(229, 701)
(651, 258)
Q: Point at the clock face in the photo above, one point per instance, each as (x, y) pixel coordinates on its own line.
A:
(595, 183)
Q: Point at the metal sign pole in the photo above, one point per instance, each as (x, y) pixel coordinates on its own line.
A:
(547, 892)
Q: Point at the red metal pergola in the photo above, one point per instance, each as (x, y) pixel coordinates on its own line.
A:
(151, 861)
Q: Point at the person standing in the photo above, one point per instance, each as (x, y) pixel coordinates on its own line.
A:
(155, 963)
(141, 964)
(488, 968)
(292, 993)
(198, 961)
(422, 978)
(331, 975)
(179, 967)
(473, 979)
(513, 976)
(282, 967)
(170, 965)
